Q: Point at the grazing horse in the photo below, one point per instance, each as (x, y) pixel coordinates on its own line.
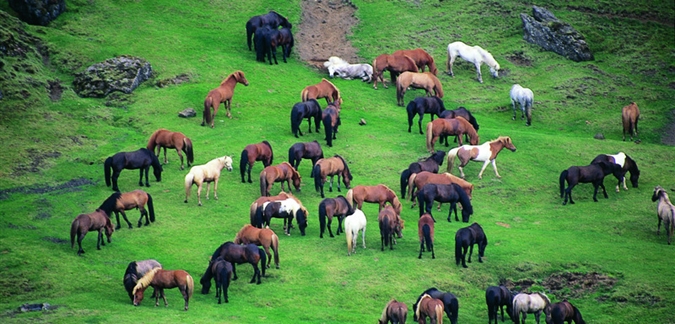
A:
(163, 138)
(254, 206)
(486, 152)
(395, 64)
(271, 19)
(285, 40)
(330, 167)
(141, 159)
(428, 306)
(453, 126)
(308, 150)
(562, 312)
(264, 237)
(451, 193)
(130, 200)
(474, 54)
(426, 80)
(255, 152)
(665, 211)
(332, 207)
(461, 112)
(221, 270)
(161, 279)
(529, 303)
(331, 120)
(594, 173)
(287, 209)
(424, 105)
(136, 270)
(324, 89)
(239, 254)
(379, 194)
(222, 94)
(450, 302)
(523, 97)
(267, 41)
(422, 59)
(430, 164)
(395, 312)
(418, 180)
(627, 164)
(207, 173)
(390, 224)
(465, 238)
(496, 297)
(341, 68)
(425, 232)
(283, 172)
(630, 115)
(306, 109)
(96, 221)
(353, 224)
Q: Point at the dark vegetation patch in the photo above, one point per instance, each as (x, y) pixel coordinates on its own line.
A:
(16, 284)
(70, 186)
(55, 240)
(44, 209)
(652, 16)
(55, 89)
(119, 100)
(565, 285)
(36, 161)
(14, 226)
(519, 58)
(181, 78)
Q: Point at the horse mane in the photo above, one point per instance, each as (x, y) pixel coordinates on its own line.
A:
(151, 142)
(487, 57)
(383, 318)
(417, 310)
(543, 296)
(346, 166)
(145, 281)
(110, 203)
(503, 139)
(336, 88)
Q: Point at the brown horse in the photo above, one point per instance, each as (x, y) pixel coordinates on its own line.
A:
(630, 116)
(390, 224)
(425, 231)
(258, 202)
(161, 279)
(255, 152)
(163, 138)
(421, 58)
(332, 207)
(486, 152)
(453, 126)
(331, 120)
(395, 64)
(418, 180)
(222, 94)
(324, 89)
(283, 172)
(395, 312)
(429, 307)
(427, 81)
(96, 221)
(130, 200)
(379, 194)
(331, 167)
(561, 312)
(264, 237)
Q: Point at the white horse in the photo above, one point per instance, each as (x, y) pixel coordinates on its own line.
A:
(523, 97)
(529, 303)
(665, 210)
(474, 54)
(341, 68)
(353, 224)
(209, 172)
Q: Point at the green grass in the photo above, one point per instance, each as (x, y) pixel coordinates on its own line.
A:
(317, 282)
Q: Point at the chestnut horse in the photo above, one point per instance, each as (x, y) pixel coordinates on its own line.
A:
(418, 180)
(425, 232)
(283, 172)
(461, 112)
(630, 116)
(130, 200)
(333, 207)
(421, 58)
(429, 307)
(395, 312)
(395, 64)
(486, 152)
(379, 194)
(264, 237)
(453, 126)
(390, 224)
(136, 270)
(255, 152)
(562, 312)
(207, 173)
(96, 221)
(331, 167)
(163, 138)
(331, 121)
(427, 81)
(161, 279)
(309, 150)
(222, 94)
(324, 89)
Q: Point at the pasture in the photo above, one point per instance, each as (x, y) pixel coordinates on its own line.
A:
(51, 168)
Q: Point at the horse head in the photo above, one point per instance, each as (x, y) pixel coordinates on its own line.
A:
(227, 163)
(658, 190)
(297, 179)
(494, 70)
(239, 76)
(506, 141)
(138, 296)
(109, 228)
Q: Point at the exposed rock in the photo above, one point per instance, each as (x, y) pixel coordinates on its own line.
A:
(187, 112)
(123, 73)
(545, 30)
(38, 12)
(599, 136)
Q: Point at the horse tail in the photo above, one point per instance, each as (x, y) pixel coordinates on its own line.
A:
(404, 182)
(208, 102)
(350, 197)
(439, 313)
(243, 161)
(384, 227)
(426, 231)
(322, 217)
(411, 113)
(451, 158)
(458, 249)
(107, 167)
(190, 286)
(316, 173)
(328, 126)
(258, 219)
(454, 307)
(188, 150)
(296, 120)
(74, 227)
(275, 247)
(411, 184)
(263, 260)
(151, 208)
(263, 183)
(304, 94)
(189, 180)
(430, 135)
(563, 177)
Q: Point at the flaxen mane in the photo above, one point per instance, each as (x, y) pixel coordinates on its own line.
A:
(146, 280)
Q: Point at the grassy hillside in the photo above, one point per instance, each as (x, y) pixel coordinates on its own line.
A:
(51, 169)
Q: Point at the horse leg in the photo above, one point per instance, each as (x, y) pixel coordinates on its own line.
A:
(228, 108)
(269, 256)
(186, 298)
(199, 193)
(115, 175)
(159, 150)
(464, 250)
(208, 189)
(363, 237)
(494, 166)
(448, 65)
(604, 191)
(234, 271)
(99, 239)
(470, 252)
(124, 215)
(250, 165)
(480, 76)
(166, 304)
(215, 189)
(419, 123)
(658, 229)
(143, 213)
(80, 237)
(480, 174)
(180, 155)
(595, 191)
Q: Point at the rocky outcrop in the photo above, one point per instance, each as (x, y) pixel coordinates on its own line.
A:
(38, 12)
(545, 30)
(123, 73)
(187, 113)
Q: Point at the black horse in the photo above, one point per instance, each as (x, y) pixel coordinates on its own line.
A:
(263, 35)
(594, 173)
(309, 150)
(629, 165)
(331, 121)
(450, 303)
(421, 106)
(451, 193)
(333, 207)
(496, 297)
(141, 159)
(306, 109)
(236, 254)
(220, 270)
(271, 19)
(430, 164)
(286, 41)
(465, 238)
(461, 112)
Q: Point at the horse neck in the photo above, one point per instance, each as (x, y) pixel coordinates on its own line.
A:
(229, 83)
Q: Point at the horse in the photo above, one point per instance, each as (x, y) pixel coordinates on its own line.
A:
(593, 173)
(207, 173)
(421, 58)
(255, 152)
(523, 97)
(665, 210)
(258, 202)
(629, 116)
(286, 41)
(222, 94)
(486, 152)
(561, 312)
(395, 64)
(450, 302)
(395, 312)
(474, 54)
(332, 207)
(324, 89)
(454, 126)
(461, 112)
(287, 209)
(424, 105)
(418, 180)
(331, 120)
(430, 164)
(379, 194)
(451, 193)
(428, 306)
(496, 297)
(425, 232)
(426, 80)
(239, 254)
(271, 19)
(283, 172)
(163, 138)
(390, 224)
(136, 270)
(222, 272)
(161, 279)
(330, 167)
(267, 41)
(141, 159)
(130, 200)
(308, 150)
(341, 68)
(306, 109)
(465, 238)
(264, 237)
(627, 165)
(529, 303)
(353, 224)
(96, 221)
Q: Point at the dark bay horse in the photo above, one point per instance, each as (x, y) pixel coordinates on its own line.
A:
(562, 312)
(465, 238)
(163, 138)
(395, 64)
(450, 302)
(461, 112)
(130, 200)
(331, 120)
(451, 193)
(395, 312)
(424, 105)
(264, 237)
(308, 150)
(255, 152)
(443, 127)
(239, 254)
(421, 57)
(627, 165)
(390, 224)
(221, 270)
(96, 221)
(425, 232)
(141, 159)
(496, 297)
(333, 207)
(307, 109)
(161, 279)
(430, 164)
(593, 173)
(283, 172)
(630, 115)
(324, 89)
(271, 19)
(222, 94)
(268, 39)
(378, 194)
(331, 167)
(136, 270)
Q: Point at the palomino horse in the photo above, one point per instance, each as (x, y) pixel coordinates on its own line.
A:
(562, 312)
(255, 152)
(486, 152)
(222, 94)
(627, 164)
(264, 237)
(451, 193)
(395, 312)
(453, 126)
(130, 200)
(136, 270)
(331, 167)
(425, 232)
(96, 221)
(333, 207)
(341, 68)
(271, 19)
(395, 64)
(390, 224)
(630, 116)
(428, 306)
(141, 159)
(288, 209)
(207, 173)
(496, 297)
(163, 138)
(427, 81)
(523, 97)
(239, 254)
(450, 302)
(474, 54)
(421, 57)
(308, 150)
(324, 89)
(461, 112)
(418, 180)
(379, 194)
(424, 105)
(665, 211)
(353, 224)
(161, 279)
(594, 173)
(283, 172)
(306, 109)
(430, 164)
(258, 202)
(331, 120)
(529, 303)
(465, 238)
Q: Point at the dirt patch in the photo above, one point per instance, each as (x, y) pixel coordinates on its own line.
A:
(37, 160)
(55, 89)
(70, 186)
(519, 58)
(575, 285)
(181, 78)
(668, 132)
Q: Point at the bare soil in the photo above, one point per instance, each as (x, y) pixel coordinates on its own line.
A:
(566, 284)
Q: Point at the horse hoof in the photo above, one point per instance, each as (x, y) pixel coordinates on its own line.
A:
(464, 266)
(250, 181)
